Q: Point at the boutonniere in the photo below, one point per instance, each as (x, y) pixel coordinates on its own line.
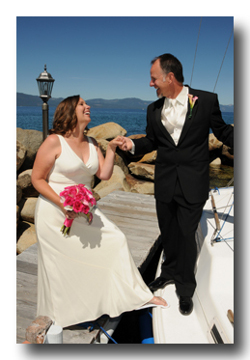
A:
(192, 100)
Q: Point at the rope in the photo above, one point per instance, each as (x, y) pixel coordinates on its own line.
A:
(224, 222)
(195, 52)
(105, 332)
(230, 182)
(219, 238)
(222, 61)
(90, 326)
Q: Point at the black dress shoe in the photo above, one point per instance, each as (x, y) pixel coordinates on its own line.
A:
(186, 305)
(159, 283)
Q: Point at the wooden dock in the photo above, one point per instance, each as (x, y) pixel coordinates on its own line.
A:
(135, 215)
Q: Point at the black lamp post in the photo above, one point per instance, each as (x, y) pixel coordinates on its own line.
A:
(45, 83)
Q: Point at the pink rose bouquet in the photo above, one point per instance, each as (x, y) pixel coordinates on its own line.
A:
(77, 198)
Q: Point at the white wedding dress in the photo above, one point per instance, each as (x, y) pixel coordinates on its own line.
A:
(91, 272)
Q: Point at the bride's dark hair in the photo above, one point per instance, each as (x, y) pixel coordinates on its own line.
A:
(65, 117)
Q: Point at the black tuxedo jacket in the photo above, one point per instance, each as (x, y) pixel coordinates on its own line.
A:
(189, 160)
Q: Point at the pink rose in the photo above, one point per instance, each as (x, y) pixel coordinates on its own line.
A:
(68, 201)
(78, 206)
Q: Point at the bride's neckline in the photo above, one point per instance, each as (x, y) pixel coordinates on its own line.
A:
(85, 163)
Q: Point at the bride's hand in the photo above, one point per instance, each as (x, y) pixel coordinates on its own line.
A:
(118, 141)
(69, 214)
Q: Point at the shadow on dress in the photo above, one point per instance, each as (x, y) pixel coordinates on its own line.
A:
(90, 235)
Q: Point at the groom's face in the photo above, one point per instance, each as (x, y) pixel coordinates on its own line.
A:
(159, 80)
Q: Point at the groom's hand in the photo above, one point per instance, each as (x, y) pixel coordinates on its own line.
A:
(126, 144)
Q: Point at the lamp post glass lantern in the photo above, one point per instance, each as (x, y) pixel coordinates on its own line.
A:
(45, 84)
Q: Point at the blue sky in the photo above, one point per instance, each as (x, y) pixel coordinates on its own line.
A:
(109, 57)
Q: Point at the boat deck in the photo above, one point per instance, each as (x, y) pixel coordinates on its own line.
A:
(135, 215)
(212, 320)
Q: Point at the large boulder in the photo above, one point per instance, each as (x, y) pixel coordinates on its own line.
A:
(107, 131)
(28, 210)
(26, 236)
(19, 193)
(103, 144)
(215, 163)
(17, 214)
(149, 158)
(213, 143)
(20, 154)
(142, 170)
(116, 182)
(140, 186)
(31, 140)
(136, 136)
(24, 181)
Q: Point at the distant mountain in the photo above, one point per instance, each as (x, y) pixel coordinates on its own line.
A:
(227, 108)
(127, 103)
(32, 100)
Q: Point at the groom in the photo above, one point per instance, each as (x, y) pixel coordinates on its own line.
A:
(178, 128)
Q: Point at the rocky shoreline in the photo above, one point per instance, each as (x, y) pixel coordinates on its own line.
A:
(131, 174)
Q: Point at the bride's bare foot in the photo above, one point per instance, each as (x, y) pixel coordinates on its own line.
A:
(157, 300)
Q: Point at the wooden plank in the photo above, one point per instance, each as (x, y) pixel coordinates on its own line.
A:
(78, 335)
(130, 212)
(135, 215)
(26, 287)
(26, 267)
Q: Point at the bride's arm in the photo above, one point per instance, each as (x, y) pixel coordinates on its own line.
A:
(45, 159)
(106, 164)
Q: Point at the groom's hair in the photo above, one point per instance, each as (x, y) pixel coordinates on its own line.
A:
(169, 63)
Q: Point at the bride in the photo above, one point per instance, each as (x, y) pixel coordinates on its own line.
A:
(90, 272)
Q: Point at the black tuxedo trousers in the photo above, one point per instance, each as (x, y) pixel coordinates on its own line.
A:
(178, 221)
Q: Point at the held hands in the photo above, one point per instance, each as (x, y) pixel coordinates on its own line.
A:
(122, 142)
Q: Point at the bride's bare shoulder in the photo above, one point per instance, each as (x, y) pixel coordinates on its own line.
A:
(51, 145)
(52, 141)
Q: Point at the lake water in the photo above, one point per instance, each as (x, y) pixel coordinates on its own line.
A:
(134, 121)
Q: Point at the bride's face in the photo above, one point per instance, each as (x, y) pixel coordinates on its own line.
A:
(82, 112)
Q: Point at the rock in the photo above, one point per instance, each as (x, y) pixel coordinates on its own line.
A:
(31, 140)
(107, 131)
(109, 188)
(24, 181)
(149, 158)
(20, 154)
(213, 143)
(26, 236)
(28, 210)
(35, 333)
(227, 156)
(140, 186)
(96, 196)
(227, 151)
(116, 182)
(103, 144)
(216, 163)
(17, 214)
(19, 193)
(136, 136)
(146, 171)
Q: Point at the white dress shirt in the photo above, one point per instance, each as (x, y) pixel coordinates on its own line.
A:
(174, 113)
(173, 122)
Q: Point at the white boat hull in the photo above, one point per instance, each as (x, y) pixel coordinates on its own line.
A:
(214, 295)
